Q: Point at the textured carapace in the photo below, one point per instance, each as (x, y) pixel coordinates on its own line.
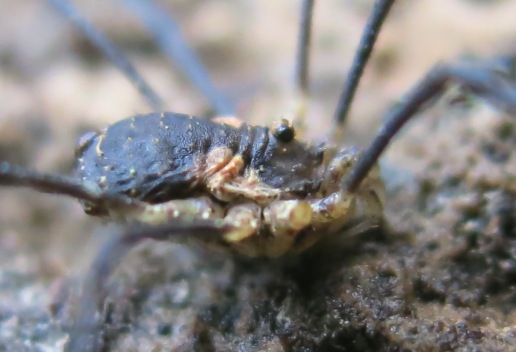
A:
(160, 157)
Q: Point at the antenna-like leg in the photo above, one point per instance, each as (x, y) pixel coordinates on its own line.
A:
(86, 330)
(110, 50)
(486, 82)
(169, 38)
(371, 31)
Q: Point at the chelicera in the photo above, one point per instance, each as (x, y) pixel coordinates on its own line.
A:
(250, 190)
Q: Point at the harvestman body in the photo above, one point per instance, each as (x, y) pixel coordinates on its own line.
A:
(250, 190)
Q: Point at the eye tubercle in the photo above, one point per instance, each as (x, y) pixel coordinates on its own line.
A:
(284, 131)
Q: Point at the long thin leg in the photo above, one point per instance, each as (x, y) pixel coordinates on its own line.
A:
(110, 50)
(169, 38)
(17, 176)
(481, 80)
(297, 112)
(86, 333)
(371, 31)
(303, 49)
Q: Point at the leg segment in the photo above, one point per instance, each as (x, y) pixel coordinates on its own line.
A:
(288, 217)
(371, 31)
(202, 208)
(17, 176)
(172, 43)
(481, 80)
(86, 331)
(338, 206)
(251, 230)
(303, 65)
(110, 50)
(303, 47)
(268, 232)
(224, 181)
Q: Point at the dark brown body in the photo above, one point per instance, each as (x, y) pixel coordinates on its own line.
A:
(159, 157)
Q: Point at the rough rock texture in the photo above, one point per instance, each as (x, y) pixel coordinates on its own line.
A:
(440, 276)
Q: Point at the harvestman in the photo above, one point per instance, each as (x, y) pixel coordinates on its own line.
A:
(249, 190)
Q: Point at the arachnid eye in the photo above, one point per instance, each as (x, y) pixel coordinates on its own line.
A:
(284, 131)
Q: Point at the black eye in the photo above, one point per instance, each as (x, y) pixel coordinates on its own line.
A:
(284, 132)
